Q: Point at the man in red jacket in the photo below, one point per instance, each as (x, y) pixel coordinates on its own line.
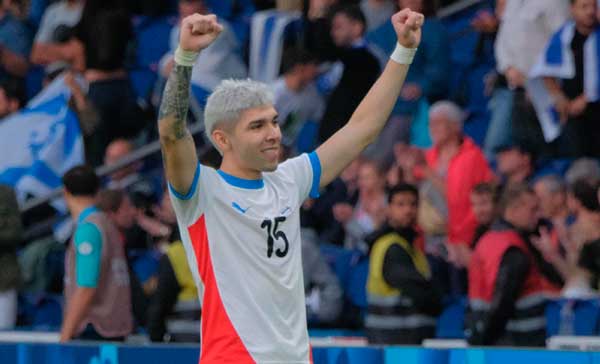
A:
(455, 164)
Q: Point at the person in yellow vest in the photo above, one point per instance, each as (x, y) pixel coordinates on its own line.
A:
(174, 313)
(403, 301)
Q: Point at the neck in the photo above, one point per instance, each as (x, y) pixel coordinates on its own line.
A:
(293, 82)
(78, 204)
(234, 169)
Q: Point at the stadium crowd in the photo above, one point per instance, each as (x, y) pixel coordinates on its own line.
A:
(475, 190)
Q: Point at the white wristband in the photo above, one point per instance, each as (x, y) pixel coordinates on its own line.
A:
(403, 55)
(185, 58)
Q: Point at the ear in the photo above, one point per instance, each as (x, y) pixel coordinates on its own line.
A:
(221, 139)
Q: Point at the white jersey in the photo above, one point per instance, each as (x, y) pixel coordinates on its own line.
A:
(242, 239)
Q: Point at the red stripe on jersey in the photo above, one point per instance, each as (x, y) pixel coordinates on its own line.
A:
(220, 342)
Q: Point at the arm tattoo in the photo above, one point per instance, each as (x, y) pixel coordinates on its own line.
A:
(175, 102)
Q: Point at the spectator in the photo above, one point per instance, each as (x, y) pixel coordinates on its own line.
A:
(297, 99)
(552, 194)
(118, 208)
(12, 96)
(142, 189)
(515, 163)
(104, 33)
(582, 168)
(15, 42)
(53, 45)
(455, 164)
(361, 69)
(11, 236)
(589, 259)
(427, 79)
(174, 312)
(97, 292)
(505, 290)
(581, 254)
(577, 263)
(377, 12)
(219, 61)
(525, 27)
(403, 301)
(324, 296)
(574, 88)
(317, 29)
(369, 212)
(318, 214)
(483, 203)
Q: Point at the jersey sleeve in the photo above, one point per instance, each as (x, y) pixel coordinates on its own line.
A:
(305, 171)
(188, 204)
(88, 255)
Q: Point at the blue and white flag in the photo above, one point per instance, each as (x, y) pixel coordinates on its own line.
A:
(267, 33)
(40, 143)
(557, 61)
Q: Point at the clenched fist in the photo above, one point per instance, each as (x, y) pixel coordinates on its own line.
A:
(407, 24)
(198, 32)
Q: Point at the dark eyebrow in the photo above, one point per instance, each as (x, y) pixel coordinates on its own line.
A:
(260, 121)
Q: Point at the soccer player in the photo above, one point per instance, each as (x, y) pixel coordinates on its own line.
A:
(240, 224)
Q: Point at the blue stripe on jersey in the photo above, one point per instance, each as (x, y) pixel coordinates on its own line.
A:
(190, 192)
(251, 184)
(315, 162)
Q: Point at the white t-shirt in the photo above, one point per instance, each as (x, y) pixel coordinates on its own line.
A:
(242, 239)
(61, 13)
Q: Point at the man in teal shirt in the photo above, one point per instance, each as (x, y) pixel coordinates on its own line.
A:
(98, 300)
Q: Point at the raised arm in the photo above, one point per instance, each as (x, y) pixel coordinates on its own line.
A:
(370, 116)
(178, 149)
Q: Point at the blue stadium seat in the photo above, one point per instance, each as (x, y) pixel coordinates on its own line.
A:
(144, 264)
(152, 36)
(41, 311)
(586, 316)
(340, 261)
(356, 286)
(450, 324)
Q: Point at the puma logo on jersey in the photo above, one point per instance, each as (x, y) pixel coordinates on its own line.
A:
(239, 208)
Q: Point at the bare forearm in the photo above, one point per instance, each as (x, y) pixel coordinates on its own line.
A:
(174, 106)
(44, 54)
(76, 310)
(179, 152)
